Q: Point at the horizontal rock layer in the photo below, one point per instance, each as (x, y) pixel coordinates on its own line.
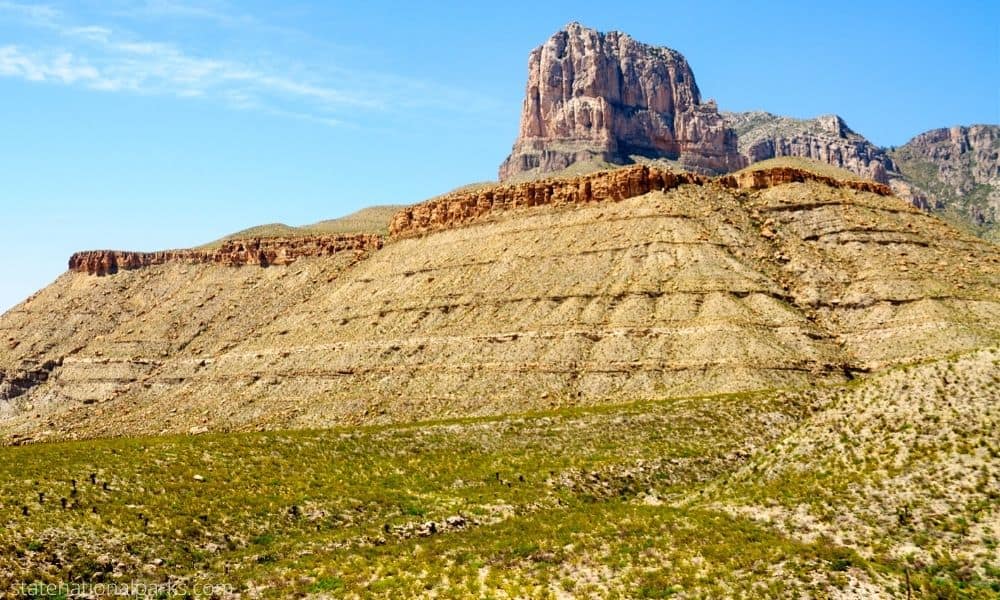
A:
(758, 179)
(466, 206)
(260, 252)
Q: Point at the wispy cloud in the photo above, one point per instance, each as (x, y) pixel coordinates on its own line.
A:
(62, 67)
(107, 58)
(180, 9)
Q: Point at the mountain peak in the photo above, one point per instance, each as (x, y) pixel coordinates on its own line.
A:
(605, 96)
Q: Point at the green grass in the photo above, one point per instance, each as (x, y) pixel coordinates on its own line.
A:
(348, 507)
(644, 500)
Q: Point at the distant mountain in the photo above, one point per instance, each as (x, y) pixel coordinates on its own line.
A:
(954, 172)
(595, 100)
(827, 139)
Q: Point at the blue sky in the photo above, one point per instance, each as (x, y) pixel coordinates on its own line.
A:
(168, 123)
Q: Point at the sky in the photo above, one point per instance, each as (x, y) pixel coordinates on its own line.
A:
(154, 124)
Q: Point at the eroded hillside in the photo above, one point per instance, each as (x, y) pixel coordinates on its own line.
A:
(619, 285)
(882, 488)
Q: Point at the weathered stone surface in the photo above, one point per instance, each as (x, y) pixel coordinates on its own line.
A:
(26, 376)
(259, 251)
(826, 139)
(605, 96)
(954, 171)
(466, 206)
(758, 179)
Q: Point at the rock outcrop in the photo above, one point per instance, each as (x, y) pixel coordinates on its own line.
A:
(466, 206)
(259, 251)
(26, 376)
(599, 99)
(955, 172)
(605, 96)
(759, 179)
(826, 139)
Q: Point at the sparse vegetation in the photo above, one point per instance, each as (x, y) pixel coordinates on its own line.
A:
(840, 490)
(372, 219)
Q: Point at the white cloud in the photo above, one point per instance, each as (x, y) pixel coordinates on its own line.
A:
(106, 58)
(36, 12)
(62, 67)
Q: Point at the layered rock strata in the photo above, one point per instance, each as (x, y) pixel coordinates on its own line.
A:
(605, 96)
(466, 206)
(826, 139)
(259, 251)
(955, 172)
(695, 289)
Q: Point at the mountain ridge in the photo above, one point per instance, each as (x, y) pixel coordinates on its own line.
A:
(577, 112)
(766, 278)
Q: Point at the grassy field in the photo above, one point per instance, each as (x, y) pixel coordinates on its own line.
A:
(770, 494)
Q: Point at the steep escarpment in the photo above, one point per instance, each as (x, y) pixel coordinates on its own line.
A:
(467, 206)
(605, 96)
(827, 139)
(599, 100)
(751, 281)
(955, 172)
(234, 253)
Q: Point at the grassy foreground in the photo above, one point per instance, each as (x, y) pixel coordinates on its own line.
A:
(751, 495)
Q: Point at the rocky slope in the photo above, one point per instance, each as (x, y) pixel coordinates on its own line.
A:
(904, 468)
(956, 173)
(605, 96)
(596, 100)
(757, 280)
(883, 488)
(827, 139)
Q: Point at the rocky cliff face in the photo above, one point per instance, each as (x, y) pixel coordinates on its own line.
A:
(595, 99)
(827, 139)
(956, 172)
(467, 206)
(259, 251)
(605, 96)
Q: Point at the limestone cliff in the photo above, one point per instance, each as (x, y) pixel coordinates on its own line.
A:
(467, 206)
(605, 96)
(235, 252)
(956, 173)
(827, 139)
